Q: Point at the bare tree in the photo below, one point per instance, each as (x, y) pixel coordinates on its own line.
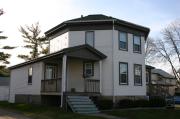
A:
(168, 47)
(34, 41)
(150, 50)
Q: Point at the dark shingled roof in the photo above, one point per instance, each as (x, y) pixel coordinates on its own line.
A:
(61, 52)
(98, 18)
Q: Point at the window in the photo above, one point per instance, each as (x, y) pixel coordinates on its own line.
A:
(30, 72)
(137, 44)
(88, 69)
(123, 42)
(50, 72)
(89, 37)
(123, 73)
(137, 74)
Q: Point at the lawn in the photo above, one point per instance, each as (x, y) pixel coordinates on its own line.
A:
(147, 113)
(43, 112)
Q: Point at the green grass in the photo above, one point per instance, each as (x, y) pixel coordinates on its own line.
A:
(43, 112)
(147, 113)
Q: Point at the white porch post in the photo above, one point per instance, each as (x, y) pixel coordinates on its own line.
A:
(64, 77)
(100, 75)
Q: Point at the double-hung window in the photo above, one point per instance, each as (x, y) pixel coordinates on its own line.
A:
(123, 73)
(89, 38)
(30, 73)
(51, 72)
(88, 69)
(137, 44)
(137, 74)
(123, 41)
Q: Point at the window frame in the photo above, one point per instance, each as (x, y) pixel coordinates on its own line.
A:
(120, 74)
(55, 72)
(134, 44)
(126, 41)
(30, 76)
(140, 84)
(84, 69)
(93, 38)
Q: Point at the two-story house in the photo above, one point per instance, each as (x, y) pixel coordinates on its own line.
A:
(94, 55)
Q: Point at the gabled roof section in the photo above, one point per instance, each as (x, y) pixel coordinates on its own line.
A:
(162, 73)
(71, 51)
(97, 19)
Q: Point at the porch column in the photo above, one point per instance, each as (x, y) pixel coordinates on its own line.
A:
(100, 75)
(64, 77)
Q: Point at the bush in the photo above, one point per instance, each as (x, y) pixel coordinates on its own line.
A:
(104, 104)
(125, 103)
(141, 103)
(157, 102)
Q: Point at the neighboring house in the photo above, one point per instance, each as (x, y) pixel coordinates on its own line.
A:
(4, 88)
(95, 55)
(160, 83)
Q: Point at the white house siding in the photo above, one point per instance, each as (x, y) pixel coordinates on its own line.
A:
(4, 93)
(131, 58)
(75, 77)
(19, 81)
(59, 42)
(103, 43)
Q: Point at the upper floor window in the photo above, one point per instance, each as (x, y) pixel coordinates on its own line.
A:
(137, 44)
(30, 72)
(137, 74)
(123, 73)
(123, 41)
(89, 38)
(88, 69)
(51, 72)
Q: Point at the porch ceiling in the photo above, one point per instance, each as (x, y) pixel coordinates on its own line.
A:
(81, 51)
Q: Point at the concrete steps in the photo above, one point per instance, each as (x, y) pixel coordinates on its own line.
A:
(82, 104)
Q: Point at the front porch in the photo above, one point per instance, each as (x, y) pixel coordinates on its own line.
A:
(75, 71)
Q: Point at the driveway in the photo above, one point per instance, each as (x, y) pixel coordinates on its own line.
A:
(6, 114)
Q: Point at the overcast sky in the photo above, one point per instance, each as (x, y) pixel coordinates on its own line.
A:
(154, 14)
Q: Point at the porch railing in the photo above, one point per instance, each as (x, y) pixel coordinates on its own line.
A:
(92, 85)
(51, 85)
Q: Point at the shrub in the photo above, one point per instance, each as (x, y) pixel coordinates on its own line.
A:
(104, 104)
(141, 103)
(125, 103)
(157, 102)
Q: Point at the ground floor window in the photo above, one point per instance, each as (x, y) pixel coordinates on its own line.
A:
(88, 69)
(123, 73)
(30, 73)
(51, 72)
(137, 74)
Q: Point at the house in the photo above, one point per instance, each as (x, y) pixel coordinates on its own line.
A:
(159, 82)
(4, 88)
(94, 55)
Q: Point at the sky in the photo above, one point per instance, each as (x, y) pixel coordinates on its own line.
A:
(155, 14)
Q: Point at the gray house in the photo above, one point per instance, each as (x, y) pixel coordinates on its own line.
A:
(4, 88)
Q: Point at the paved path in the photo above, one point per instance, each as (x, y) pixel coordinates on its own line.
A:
(107, 116)
(6, 114)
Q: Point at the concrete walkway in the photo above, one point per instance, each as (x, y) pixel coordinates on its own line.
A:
(107, 116)
(7, 114)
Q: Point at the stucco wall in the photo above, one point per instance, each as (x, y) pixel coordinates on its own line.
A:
(4, 93)
(59, 42)
(19, 81)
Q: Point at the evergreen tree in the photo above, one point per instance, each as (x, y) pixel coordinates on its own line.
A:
(34, 41)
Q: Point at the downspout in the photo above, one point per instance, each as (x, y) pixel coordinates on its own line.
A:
(114, 100)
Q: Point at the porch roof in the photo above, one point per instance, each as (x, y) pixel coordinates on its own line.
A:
(81, 51)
